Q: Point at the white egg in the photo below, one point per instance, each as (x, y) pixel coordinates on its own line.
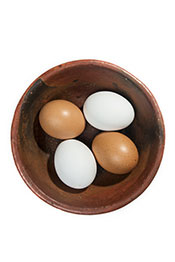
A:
(108, 111)
(75, 164)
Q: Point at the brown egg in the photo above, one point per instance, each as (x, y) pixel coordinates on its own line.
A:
(62, 119)
(115, 152)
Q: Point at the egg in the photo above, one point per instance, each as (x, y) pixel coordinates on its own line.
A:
(62, 119)
(108, 111)
(115, 152)
(75, 164)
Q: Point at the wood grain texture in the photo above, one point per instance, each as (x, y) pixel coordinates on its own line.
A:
(33, 149)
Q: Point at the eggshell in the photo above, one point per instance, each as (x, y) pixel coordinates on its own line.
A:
(108, 111)
(115, 152)
(75, 164)
(62, 119)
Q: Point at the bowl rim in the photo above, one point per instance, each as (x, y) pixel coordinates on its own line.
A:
(37, 190)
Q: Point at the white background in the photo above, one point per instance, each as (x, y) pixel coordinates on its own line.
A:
(136, 35)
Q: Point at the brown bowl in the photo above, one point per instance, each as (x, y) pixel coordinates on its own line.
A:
(33, 150)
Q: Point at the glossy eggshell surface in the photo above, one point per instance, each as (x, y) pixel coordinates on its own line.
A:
(62, 119)
(115, 152)
(75, 164)
(108, 111)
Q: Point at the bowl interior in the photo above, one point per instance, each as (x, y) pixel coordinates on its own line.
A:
(34, 149)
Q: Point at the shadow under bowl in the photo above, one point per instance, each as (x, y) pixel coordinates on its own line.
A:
(33, 149)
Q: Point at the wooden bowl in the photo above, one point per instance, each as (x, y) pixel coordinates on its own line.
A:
(33, 150)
